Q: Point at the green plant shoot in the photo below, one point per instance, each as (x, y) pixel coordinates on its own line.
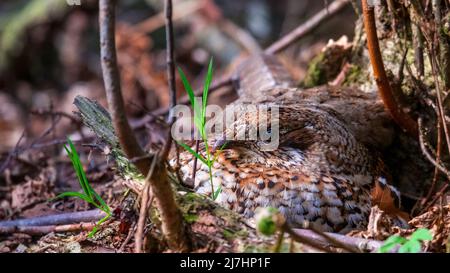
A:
(411, 245)
(88, 195)
(200, 124)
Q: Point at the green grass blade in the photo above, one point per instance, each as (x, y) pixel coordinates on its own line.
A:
(81, 175)
(103, 204)
(208, 80)
(194, 153)
(218, 153)
(217, 192)
(76, 159)
(95, 229)
(191, 95)
(73, 194)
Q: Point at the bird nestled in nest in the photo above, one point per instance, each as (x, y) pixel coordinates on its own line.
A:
(322, 172)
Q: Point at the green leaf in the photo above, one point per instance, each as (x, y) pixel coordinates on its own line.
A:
(73, 194)
(189, 149)
(391, 242)
(422, 234)
(412, 246)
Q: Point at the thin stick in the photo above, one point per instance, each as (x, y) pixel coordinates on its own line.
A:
(437, 196)
(170, 57)
(11, 154)
(384, 88)
(441, 111)
(438, 160)
(426, 153)
(43, 112)
(139, 236)
(182, 9)
(128, 238)
(307, 27)
(170, 77)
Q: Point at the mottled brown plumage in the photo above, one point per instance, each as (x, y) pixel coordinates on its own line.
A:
(322, 171)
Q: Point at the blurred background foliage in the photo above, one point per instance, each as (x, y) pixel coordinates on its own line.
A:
(49, 50)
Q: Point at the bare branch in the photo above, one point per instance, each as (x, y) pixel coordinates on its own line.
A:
(171, 218)
(384, 88)
(111, 79)
(307, 27)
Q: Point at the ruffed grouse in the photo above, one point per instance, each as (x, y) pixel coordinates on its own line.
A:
(322, 171)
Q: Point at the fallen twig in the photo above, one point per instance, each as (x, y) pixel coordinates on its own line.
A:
(301, 238)
(363, 245)
(57, 219)
(39, 230)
